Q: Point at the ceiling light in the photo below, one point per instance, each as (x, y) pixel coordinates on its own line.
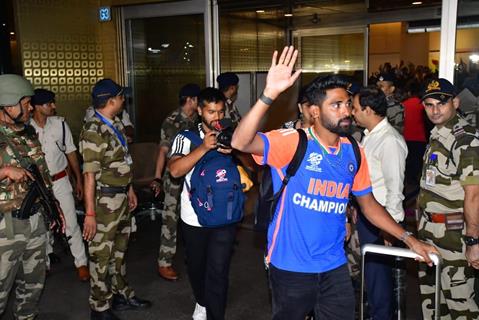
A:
(288, 14)
(416, 3)
(12, 33)
(347, 61)
(474, 58)
(165, 45)
(259, 11)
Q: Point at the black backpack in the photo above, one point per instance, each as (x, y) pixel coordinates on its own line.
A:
(267, 199)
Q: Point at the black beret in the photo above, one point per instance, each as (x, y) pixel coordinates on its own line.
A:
(227, 79)
(189, 90)
(42, 96)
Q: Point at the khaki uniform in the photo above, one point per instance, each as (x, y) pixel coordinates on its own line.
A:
(395, 114)
(22, 242)
(455, 164)
(172, 187)
(104, 155)
(232, 112)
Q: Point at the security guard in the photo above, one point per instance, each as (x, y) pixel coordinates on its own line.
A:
(449, 203)
(57, 144)
(180, 119)
(395, 112)
(109, 200)
(22, 234)
(228, 84)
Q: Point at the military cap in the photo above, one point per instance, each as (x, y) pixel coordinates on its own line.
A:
(353, 88)
(227, 79)
(390, 77)
(106, 89)
(42, 96)
(13, 88)
(189, 90)
(440, 89)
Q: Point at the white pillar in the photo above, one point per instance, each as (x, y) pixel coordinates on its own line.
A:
(448, 39)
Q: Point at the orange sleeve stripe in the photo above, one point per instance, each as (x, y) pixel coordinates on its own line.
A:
(278, 221)
(362, 180)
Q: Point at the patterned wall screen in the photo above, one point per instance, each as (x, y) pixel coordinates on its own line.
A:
(64, 48)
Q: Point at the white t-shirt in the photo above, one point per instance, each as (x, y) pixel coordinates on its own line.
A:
(181, 147)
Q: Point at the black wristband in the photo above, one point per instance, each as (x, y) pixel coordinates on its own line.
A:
(266, 100)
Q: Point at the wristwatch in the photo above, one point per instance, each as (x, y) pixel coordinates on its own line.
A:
(471, 241)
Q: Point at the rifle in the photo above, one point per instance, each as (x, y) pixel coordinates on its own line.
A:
(52, 211)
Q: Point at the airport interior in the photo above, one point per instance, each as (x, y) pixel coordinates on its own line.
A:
(155, 47)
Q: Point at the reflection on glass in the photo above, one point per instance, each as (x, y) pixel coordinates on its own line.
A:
(162, 61)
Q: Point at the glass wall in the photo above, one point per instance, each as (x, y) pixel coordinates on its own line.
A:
(466, 72)
(161, 61)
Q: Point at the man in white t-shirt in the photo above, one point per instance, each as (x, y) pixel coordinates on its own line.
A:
(208, 250)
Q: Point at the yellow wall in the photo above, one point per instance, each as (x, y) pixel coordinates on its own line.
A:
(390, 42)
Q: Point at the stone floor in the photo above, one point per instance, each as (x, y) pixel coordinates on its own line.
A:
(65, 298)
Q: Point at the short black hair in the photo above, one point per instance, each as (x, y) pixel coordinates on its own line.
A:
(210, 95)
(374, 98)
(316, 91)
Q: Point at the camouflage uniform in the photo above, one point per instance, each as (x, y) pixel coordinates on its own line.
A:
(232, 112)
(172, 187)
(456, 146)
(22, 242)
(395, 114)
(104, 155)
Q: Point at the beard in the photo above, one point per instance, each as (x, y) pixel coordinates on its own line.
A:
(341, 128)
(211, 125)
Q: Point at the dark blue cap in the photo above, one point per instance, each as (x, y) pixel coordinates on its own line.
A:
(227, 79)
(42, 96)
(390, 77)
(189, 90)
(106, 89)
(440, 89)
(353, 88)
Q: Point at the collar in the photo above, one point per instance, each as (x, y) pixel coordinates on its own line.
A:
(379, 127)
(445, 130)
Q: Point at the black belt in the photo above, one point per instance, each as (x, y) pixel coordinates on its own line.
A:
(18, 214)
(114, 190)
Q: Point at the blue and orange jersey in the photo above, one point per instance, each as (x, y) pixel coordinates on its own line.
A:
(308, 228)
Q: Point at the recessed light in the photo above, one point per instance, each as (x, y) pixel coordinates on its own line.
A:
(415, 3)
(12, 33)
(288, 14)
(259, 11)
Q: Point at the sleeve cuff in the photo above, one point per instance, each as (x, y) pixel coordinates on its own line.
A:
(91, 167)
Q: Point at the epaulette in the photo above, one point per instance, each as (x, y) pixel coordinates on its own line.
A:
(458, 130)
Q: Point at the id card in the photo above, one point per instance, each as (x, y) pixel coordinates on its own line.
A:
(128, 159)
(431, 176)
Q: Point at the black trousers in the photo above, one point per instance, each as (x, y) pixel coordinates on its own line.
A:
(208, 256)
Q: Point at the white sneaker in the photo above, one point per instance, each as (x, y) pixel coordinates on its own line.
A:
(199, 313)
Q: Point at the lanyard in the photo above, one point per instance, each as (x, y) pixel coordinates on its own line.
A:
(117, 133)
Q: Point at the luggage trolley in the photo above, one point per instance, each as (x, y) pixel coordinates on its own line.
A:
(406, 253)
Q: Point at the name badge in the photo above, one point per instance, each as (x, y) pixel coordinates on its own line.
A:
(431, 176)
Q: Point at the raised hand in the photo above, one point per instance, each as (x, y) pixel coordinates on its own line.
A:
(280, 75)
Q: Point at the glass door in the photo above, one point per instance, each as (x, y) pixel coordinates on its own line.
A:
(167, 46)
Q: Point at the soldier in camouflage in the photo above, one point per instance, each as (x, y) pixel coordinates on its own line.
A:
(395, 111)
(449, 205)
(180, 119)
(22, 236)
(109, 200)
(228, 84)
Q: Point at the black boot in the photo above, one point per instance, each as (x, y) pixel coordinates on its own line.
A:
(121, 303)
(103, 315)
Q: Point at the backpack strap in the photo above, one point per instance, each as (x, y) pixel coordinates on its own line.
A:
(292, 167)
(357, 152)
(63, 134)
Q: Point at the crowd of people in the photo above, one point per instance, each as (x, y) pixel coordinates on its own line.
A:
(337, 181)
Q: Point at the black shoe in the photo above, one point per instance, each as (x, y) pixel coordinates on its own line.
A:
(121, 303)
(103, 315)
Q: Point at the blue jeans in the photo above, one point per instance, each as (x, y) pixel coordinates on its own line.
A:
(295, 294)
(377, 274)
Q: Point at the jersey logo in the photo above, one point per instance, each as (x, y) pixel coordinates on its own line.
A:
(221, 175)
(314, 160)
